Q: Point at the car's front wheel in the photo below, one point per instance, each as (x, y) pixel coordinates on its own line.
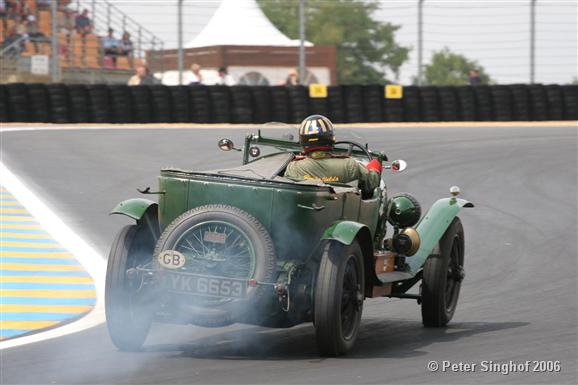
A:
(339, 296)
(442, 278)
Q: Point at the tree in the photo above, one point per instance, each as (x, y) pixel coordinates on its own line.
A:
(366, 49)
(451, 69)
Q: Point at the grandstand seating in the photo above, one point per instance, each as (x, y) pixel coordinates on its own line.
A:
(75, 51)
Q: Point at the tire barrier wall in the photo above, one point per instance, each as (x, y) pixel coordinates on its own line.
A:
(60, 103)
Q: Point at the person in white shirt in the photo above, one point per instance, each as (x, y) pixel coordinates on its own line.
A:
(194, 77)
(224, 78)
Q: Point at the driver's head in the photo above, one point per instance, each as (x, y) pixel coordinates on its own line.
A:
(316, 133)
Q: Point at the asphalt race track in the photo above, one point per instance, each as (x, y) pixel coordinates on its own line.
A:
(518, 301)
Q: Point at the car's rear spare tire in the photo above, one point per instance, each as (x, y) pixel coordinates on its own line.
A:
(129, 310)
(443, 273)
(221, 241)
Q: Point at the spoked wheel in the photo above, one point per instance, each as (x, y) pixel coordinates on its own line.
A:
(442, 278)
(221, 241)
(339, 298)
(129, 311)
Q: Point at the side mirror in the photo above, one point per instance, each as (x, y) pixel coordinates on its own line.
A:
(226, 145)
(398, 165)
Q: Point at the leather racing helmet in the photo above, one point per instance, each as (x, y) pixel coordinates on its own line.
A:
(316, 131)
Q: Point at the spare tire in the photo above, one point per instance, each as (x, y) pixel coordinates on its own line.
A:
(249, 255)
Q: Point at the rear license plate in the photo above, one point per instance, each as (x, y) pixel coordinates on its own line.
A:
(205, 285)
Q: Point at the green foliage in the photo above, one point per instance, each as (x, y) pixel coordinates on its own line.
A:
(451, 69)
(366, 48)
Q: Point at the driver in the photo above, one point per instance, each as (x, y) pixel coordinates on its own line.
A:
(318, 162)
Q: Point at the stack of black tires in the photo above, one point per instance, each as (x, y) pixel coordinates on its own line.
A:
(62, 103)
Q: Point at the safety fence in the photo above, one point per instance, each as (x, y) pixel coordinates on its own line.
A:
(63, 103)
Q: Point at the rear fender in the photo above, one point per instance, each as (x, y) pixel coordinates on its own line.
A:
(433, 226)
(144, 211)
(346, 232)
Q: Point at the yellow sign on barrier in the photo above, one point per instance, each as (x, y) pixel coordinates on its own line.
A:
(317, 90)
(393, 91)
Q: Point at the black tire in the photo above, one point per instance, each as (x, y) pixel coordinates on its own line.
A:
(430, 104)
(336, 107)
(141, 100)
(261, 104)
(298, 103)
(58, 106)
(570, 94)
(100, 108)
(38, 99)
(129, 313)
(411, 104)
(78, 103)
(483, 98)
(161, 103)
(467, 103)
(339, 298)
(200, 107)
(3, 104)
(220, 99)
(442, 276)
(121, 104)
(242, 104)
(221, 313)
(280, 106)
(353, 99)
(180, 103)
(18, 102)
(372, 103)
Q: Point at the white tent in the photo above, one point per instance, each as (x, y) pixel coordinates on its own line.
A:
(241, 22)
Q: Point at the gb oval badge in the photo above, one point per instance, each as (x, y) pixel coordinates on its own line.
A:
(171, 259)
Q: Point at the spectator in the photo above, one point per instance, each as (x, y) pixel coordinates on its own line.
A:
(43, 4)
(83, 23)
(474, 77)
(21, 26)
(224, 78)
(142, 77)
(110, 47)
(292, 79)
(195, 77)
(67, 26)
(13, 9)
(67, 22)
(34, 35)
(10, 38)
(126, 47)
(3, 14)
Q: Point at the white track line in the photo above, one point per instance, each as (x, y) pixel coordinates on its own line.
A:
(92, 262)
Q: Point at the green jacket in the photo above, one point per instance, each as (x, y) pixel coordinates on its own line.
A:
(320, 165)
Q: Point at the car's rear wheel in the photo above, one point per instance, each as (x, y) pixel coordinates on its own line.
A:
(339, 298)
(221, 241)
(129, 312)
(442, 278)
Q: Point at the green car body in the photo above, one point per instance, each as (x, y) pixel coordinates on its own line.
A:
(301, 219)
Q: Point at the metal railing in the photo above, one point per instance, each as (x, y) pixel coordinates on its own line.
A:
(106, 15)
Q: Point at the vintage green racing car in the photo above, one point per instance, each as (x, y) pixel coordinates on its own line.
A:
(247, 245)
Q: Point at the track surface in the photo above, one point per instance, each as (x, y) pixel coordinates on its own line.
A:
(518, 300)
